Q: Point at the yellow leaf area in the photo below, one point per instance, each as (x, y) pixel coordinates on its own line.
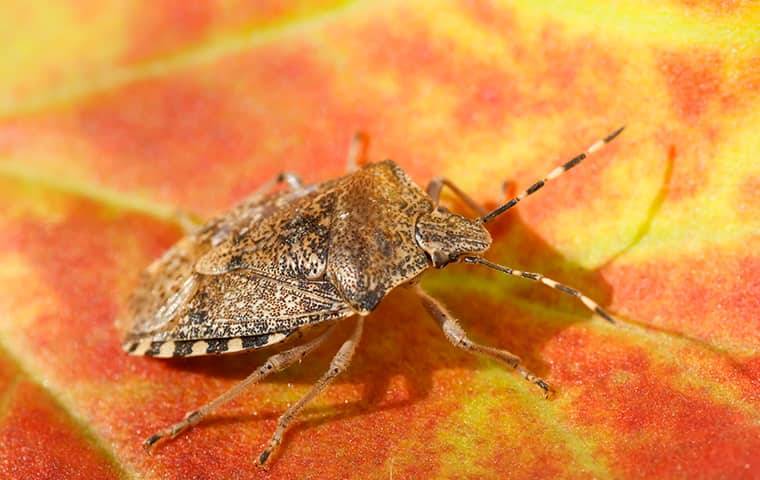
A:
(116, 115)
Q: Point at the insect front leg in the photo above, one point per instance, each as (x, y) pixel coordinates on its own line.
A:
(357, 152)
(457, 336)
(434, 192)
(274, 364)
(339, 364)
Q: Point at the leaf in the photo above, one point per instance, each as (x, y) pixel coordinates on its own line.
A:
(115, 117)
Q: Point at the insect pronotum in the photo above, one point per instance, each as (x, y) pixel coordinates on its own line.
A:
(284, 260)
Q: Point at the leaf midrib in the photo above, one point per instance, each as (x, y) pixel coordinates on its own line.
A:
(203, 52)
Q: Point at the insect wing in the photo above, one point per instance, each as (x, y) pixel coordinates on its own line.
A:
(292, 243)
(241, 310)
(169, 282)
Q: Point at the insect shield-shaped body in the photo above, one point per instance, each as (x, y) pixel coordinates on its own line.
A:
(281, 261)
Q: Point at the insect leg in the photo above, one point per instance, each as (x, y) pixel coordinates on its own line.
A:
(434, 192)
(590, 304)
(293, 181)
(339, 364)
(274, 364)
(357, 152)
(457, 336)
(189, 222)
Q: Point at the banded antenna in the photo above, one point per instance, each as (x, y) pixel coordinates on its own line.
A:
(595, 147)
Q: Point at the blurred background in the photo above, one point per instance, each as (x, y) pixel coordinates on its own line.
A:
(115, 115)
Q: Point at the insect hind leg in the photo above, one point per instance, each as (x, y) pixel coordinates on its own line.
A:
(457, 336)
(293, 180)
(188, 222)
(274, 364)
(338, 365)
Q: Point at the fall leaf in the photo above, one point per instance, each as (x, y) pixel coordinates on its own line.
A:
(115, 116)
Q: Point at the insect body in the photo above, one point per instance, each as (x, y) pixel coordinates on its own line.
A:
(282, 261)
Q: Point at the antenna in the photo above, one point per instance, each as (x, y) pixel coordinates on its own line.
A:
(537, 277)
(595, 147)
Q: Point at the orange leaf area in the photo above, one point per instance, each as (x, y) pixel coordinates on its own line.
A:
(135, 113)
(38, 440)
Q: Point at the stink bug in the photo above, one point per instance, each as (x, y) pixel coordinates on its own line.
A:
(284, 260)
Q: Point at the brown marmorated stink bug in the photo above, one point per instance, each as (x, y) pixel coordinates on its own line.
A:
(283, 260)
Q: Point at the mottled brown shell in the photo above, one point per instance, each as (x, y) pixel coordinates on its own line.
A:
(277, 262)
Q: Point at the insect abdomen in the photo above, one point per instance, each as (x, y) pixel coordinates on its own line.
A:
(194, 348)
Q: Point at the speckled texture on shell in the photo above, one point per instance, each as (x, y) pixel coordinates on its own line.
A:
(277, 262)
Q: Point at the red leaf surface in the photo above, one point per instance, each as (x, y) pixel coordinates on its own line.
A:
(112, 118)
